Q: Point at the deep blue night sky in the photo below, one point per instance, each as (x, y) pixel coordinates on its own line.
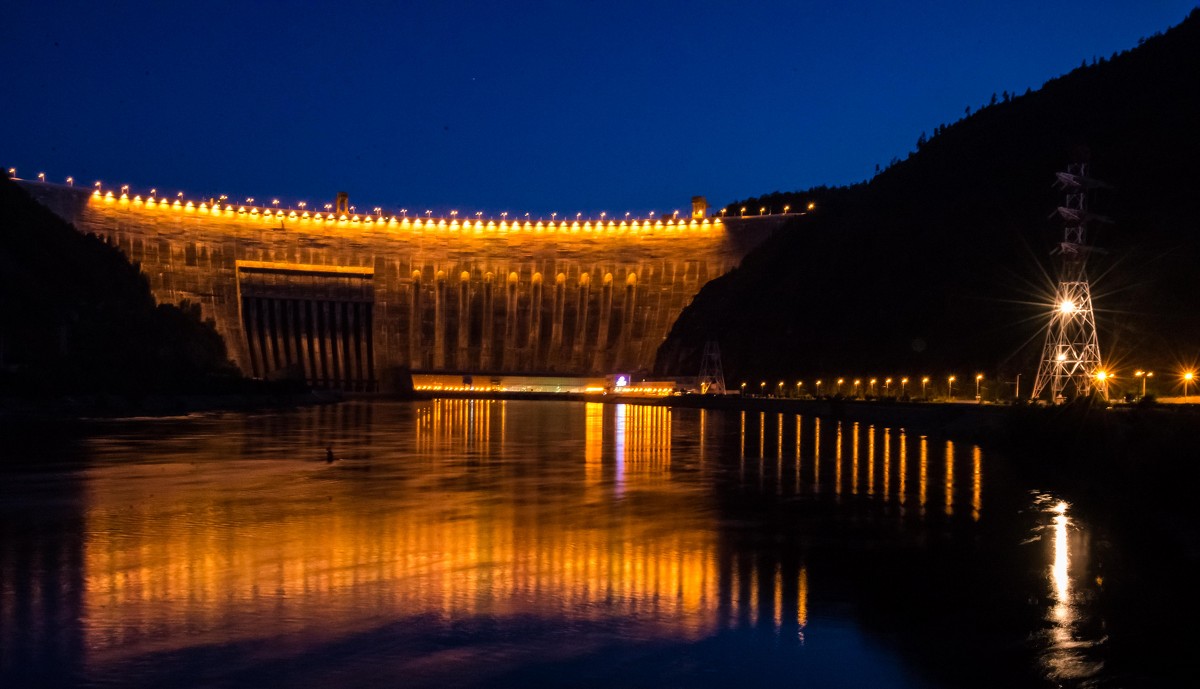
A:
(518, 106)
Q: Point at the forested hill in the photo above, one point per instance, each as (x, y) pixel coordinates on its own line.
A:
(77, 317)
(940, 264)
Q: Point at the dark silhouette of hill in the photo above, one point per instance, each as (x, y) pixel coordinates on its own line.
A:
(77, 317)
(940, 264)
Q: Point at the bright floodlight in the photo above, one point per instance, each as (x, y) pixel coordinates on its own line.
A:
(1067, 306)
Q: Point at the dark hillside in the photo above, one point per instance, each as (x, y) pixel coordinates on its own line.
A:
(77, 317)
(941, 262)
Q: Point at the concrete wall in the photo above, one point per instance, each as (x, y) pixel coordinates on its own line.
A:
(583, 300)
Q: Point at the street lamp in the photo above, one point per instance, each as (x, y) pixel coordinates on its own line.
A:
(950, 387)
(872, 387)
(743, 388)
(786, 209)
(818, 387)
(780, 393)
(887, 386)
(978, 380)
(838, 389)
(924, 382)
(857, 384)
(1143, 375)
(1187, 378)
(799, 384)
(762, 389)
(903, 384)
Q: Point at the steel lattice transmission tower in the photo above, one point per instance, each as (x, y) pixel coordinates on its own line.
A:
(712, 377)
(1071, 361)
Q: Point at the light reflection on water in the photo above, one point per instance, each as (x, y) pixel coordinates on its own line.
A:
(1069, 652)
(232, 530)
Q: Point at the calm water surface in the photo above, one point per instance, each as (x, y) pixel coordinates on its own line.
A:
(477, 543)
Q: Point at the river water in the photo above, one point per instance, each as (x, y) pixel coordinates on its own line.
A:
(463, 543)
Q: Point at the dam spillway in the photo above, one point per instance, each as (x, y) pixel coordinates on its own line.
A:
(348, 300)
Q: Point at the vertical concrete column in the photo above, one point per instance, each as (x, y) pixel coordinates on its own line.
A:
(462, 359)
(304, 340)
(414, 321)
(553, 357)
(282, 333)
(369, 312)
(582, 305)
(509, 356)
(439, 321)
(336, 365)
(628, 312)
(599, 363)
(354, 339)
(347, 344)
(485, 346)
(535, 346)
(249, 314)
(323, 343)
(264, 334)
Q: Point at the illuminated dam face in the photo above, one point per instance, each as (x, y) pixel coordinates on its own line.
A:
(349, 300)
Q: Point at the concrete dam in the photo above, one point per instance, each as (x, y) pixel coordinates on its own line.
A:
(349, 300)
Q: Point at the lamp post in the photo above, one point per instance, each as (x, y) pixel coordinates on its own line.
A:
(762, 389)
(871, 387)
(1143, 375)
(1187, 378)
(838, 389)
(857, 385)
(924, 382)
(978, 380)
(818, 387)
(950, 387)
(903, 384)
(887, 386)
(799, 384)
(743, 388)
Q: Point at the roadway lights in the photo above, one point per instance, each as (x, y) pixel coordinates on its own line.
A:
(978, 380)
(70, 181)
(924, 382)
(950, 386)
(811, 205)
(1187, 379)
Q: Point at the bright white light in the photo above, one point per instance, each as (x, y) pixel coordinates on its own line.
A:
(1067, 306)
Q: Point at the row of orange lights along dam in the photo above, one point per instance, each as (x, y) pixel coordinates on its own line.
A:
(888, 387)
(222, 205)
(858, 387)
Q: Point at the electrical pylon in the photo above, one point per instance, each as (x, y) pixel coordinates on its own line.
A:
(712, 377)
(1071, 361)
